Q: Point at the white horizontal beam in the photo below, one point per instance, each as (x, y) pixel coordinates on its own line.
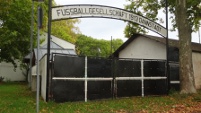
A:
(174, 82)
(109, 79)
(140, 78)
(82, 79)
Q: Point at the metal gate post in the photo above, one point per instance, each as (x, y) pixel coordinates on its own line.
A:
(142, 76)
(85, 86)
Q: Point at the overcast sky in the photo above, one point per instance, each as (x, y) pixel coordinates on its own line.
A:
(102, 28)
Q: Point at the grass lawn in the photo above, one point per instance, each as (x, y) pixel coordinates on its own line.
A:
(17, 98)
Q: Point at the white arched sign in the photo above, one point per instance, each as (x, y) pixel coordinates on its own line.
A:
(100, 11)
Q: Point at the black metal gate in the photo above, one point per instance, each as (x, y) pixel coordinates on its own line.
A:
(80, 78)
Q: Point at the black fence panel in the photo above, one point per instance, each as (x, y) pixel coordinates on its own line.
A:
(99, 67)
(128, 88)
(127, 68)
(65, 91)
(154, 68)
(67, 66)
(155, 87)
(113, 70)
(174, 76)
(173, 54)
(99, 90)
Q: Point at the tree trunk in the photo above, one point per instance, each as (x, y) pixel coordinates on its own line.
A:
(187, 82)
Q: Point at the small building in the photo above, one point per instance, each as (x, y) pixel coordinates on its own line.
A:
(141, 46)
(56, 46)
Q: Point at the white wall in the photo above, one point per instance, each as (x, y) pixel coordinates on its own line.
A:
(144, 48)
(197, 69)
(7, 71)
(43, 67)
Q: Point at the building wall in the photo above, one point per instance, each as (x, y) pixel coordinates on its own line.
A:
(43, 67)
(34, 79)
(144, 48)
(197, 69)
(7, 71)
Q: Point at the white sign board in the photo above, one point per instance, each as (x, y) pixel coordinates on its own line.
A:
(99, 11)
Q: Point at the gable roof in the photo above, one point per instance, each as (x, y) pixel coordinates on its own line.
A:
(172, 43)
(62, 43)
(56, 46)
(52, 45)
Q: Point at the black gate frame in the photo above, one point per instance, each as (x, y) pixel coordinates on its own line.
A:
(121, 77)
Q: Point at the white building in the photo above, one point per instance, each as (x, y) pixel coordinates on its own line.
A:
(151, 47)
(9, 73)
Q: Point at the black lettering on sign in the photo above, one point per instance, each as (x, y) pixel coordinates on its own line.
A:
(158, 28)
(133, 18)
(91, 10)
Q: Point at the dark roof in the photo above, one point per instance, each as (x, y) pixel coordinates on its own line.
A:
(173, 43)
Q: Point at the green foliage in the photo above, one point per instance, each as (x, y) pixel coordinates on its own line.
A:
(15, 30)
(14, 34)
(147, 8)
(87, 46)
(65, 29)
(1, 79)
(193, 13)
(150, 8)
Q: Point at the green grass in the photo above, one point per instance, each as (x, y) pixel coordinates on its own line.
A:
(17, 98)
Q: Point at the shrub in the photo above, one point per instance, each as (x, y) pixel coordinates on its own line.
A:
(1, 79)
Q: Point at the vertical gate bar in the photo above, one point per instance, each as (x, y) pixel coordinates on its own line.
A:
(115, 76)
(85, 86)
(167, 49)
(142, 75)
(48, 48)
(51, 76)
(112, 73)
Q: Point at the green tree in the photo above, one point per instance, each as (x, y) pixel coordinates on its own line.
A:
(66, 29)
(15, 29)
(88, 46)
(185, 13)
(14, 35)
(116, 43)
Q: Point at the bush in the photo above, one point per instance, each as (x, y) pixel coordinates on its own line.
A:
(1, 79)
